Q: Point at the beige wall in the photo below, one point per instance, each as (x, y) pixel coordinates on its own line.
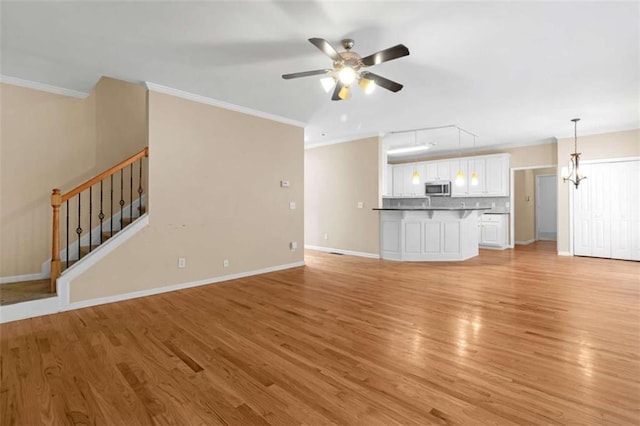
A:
(524, 205)
(215, 194)
(121, 120)
(593, 147)
(48, 141)
(337, 177)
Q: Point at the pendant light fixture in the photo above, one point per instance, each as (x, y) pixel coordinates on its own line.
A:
(574, 176)
(459, 175)
(474, 175)
(416, 176)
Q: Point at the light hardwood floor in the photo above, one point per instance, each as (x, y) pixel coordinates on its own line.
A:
(511, 337)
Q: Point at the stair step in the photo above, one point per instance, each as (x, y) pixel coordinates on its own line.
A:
(24, 291)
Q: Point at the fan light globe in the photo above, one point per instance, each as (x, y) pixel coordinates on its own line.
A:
(347, 75)
(327, 83)
(367, 85)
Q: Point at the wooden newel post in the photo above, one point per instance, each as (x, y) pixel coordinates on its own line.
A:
(56, 201)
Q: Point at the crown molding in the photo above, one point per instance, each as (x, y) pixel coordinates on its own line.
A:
(153, 87)
(14, 81)
(344, 140)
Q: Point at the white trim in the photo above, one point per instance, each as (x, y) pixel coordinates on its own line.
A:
(564, 253)
(220, 104)
(610, 160)
(344, 140)
(526, 242)
(341, 251)
(28, 277)
(42, 87)
(65, 305)
(77, 269)
(512, 204)
(30, 309)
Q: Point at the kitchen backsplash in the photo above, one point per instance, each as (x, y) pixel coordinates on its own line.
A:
(498, 204)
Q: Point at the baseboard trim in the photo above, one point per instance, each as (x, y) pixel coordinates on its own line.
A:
(564, 253)
(68, 306)
(30, 309)
(525, 242)
(28, 277)
(341, 251)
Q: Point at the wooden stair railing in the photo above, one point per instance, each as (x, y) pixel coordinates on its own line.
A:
(57, 200)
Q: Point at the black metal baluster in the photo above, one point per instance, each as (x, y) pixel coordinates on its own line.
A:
(101, 215)
(111, 214)
(79, 228)
(121, 196)
(140, 190)
(131, 192)
(90, 214)
(67, 234)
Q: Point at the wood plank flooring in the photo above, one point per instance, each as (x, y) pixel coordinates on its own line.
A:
(510, 337)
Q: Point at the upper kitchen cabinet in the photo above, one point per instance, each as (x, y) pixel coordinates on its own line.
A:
(492, 173)
(459, 188)
(403, 185)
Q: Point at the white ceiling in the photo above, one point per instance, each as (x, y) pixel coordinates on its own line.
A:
(514, 73)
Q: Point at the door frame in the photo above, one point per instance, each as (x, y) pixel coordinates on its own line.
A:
(536, 198)
(512, 190)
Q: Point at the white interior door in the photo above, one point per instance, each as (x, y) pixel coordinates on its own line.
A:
(546, 207)
(607, 211)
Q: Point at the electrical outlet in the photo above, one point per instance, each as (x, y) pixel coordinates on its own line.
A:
(182, 262)
(360, 204)
(284, 183)
(292, 205)
(225, 263)
(493, 205)
(293, 245)
(326, 236)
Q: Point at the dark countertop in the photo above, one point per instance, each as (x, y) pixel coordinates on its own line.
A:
(428, 209)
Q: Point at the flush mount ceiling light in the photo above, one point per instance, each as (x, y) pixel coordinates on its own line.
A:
(405, 149)
(348, 68)
(573, 175)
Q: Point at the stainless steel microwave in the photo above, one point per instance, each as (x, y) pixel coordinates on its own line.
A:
(438, 189)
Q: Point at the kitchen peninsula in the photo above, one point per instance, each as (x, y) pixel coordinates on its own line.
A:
(429, 233)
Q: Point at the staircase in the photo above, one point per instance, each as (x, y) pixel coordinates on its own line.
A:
(100, 201)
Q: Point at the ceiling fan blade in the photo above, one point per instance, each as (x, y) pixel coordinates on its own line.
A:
(326, 48)
(382, 82)
(304, 74)
(395, 52)
(336, 91)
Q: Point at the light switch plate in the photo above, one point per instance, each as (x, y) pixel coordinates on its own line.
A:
(360, 204)
(292, 205)
(284, 183)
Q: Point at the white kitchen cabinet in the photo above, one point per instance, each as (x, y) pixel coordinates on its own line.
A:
(492, 171)
(497, 175)
(412, 189)
(403, 185)
(493, 231)
(493, 176)
(388, 183)
(477, 166)
(454, 167)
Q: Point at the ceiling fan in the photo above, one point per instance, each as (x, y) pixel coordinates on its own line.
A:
(348, 68)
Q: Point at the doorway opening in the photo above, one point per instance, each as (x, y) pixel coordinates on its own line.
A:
(535, 204)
